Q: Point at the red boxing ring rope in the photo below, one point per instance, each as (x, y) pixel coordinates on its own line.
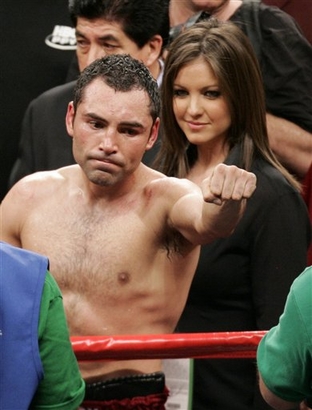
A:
(219, 345)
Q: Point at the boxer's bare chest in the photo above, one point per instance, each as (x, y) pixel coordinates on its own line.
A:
(88, 246)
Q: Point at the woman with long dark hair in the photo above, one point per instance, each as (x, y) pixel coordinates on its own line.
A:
(213, 111)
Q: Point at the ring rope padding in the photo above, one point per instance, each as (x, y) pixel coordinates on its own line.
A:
(217, 345)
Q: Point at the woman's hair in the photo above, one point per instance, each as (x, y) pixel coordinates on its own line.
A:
(230, 55)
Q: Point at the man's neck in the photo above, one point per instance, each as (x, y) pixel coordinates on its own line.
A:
(156, 69)
(226, 12)
(180, 11)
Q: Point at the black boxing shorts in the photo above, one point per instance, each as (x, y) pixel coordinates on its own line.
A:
(139, 392)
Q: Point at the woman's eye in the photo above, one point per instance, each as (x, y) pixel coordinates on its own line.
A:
(179, 93)
(213, 94)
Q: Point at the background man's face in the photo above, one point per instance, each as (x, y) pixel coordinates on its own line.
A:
(99, 37)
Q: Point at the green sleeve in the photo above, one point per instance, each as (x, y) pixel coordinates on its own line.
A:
(62, 386)
(284, 355)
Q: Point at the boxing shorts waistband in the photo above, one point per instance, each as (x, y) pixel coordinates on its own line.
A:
(126, 387)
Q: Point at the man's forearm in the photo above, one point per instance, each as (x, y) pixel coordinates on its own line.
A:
(291, 144)
(273, 400)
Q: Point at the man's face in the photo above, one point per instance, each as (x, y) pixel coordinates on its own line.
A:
(111, 131)
(99, 37)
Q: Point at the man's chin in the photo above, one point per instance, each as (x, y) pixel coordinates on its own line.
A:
(101, 178)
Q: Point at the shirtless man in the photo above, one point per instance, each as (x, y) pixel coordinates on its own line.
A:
(122, 239)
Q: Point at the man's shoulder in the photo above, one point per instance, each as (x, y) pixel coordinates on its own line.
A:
(252, 10)
(62, 92)
(42, 183)
(171, 187)
(303, 283)
(158, 185)
(270, 15)
(299, 298)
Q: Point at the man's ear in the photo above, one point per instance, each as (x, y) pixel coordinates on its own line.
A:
(153, 135)
(155, 45)
(69, 120)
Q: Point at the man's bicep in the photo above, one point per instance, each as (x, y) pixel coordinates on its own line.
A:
(186, 215)
(11, 211)
(273, 400)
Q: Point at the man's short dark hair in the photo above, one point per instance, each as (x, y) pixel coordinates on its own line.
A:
(122, 73)
(140, 19)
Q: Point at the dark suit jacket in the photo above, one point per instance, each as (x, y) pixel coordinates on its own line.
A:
(45, 144)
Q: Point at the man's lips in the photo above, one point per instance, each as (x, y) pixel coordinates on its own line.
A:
(105, 162)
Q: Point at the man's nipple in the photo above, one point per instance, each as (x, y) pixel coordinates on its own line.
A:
(123, 278)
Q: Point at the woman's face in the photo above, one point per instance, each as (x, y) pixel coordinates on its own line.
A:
(199, 107)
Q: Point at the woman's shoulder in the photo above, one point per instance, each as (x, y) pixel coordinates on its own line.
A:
(270, 180)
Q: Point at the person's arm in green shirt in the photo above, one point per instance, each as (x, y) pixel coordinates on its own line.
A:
(62, 386)
(284, 355)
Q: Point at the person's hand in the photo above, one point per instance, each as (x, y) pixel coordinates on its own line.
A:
(228, 183)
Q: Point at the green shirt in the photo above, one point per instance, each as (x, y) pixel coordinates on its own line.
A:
(62, 386)
(285, 353)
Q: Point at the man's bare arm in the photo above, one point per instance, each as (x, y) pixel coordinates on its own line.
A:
(275, 401)
(8, 222)
(14, 208)
(291, 144)
(224, 193)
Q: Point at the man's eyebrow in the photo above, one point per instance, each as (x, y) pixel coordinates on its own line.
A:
(132, 124)
(107, 37)
(93, 116)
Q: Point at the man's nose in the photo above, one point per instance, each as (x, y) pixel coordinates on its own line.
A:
(109, 142)
(95, 52)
